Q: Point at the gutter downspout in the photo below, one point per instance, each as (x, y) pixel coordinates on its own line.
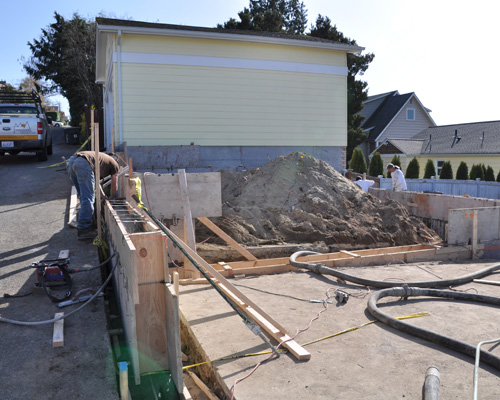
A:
(119, 61)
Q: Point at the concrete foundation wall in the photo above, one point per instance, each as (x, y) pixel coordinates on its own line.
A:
(216, 158)
(435, 206)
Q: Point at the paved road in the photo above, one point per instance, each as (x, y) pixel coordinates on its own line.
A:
(34, 206)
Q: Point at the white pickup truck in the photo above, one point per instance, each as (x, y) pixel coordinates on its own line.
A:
(23, 125)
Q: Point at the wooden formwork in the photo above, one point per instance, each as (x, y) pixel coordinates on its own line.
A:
(148, 302)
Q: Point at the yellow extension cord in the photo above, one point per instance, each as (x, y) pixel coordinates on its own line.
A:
(416, 315)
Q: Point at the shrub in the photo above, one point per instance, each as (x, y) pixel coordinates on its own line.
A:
(376, 165)
(413, 170)
(476, 172)
(490, 175)
(358, 163)
(446, 171)
(462, 171)
(430, 170)
(498, 177)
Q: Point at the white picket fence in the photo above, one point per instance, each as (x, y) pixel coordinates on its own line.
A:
(477, 188)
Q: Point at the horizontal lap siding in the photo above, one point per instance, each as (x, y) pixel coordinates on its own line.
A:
(226, 48)
(178, 105)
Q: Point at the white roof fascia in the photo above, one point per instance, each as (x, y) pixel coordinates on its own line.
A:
(227, 36)
(423, 108)
(395, 116)
(379, 97)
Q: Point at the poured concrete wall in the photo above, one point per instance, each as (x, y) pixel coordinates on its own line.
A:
(215, 158)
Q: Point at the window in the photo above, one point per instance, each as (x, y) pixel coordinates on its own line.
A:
(410, 114)
(439, 167)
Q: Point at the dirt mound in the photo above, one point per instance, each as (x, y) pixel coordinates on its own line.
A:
(300, 199)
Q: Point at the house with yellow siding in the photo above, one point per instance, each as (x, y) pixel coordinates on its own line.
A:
(208, 98)
(473, 143)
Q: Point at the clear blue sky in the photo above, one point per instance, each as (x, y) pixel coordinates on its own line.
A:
(446, 51)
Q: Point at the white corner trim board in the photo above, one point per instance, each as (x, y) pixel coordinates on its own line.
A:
(226, 62)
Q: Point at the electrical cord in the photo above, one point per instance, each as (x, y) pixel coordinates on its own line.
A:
(50, 321)
(322, 269)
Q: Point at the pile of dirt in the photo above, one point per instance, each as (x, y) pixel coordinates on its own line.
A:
(300, 199)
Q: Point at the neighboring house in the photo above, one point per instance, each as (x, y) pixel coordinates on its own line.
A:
(474, 143)
(192, 97)
(393, 115)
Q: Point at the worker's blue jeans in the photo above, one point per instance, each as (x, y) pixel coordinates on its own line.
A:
(82, 176)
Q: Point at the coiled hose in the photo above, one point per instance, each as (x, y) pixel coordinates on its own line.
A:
(322, 269)
(442, 340)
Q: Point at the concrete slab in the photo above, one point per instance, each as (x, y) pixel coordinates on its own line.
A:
(370, 363)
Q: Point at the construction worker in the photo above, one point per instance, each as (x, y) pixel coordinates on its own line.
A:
(364, 184)
(398, 179)
(81, 169)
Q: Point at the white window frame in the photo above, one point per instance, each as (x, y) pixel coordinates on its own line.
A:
(438, 168)
(410, 109)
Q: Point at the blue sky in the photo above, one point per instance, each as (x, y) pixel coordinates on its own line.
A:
(446, 51)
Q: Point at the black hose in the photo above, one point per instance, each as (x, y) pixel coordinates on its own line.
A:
(445, 341)
(322, 269)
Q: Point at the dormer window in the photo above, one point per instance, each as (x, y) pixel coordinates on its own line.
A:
(410, 114)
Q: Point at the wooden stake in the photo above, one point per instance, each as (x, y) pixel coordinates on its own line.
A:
(123, 380)
(176, 283)
(58, 335)
(204, 388)
(474, 235)
(229, 240)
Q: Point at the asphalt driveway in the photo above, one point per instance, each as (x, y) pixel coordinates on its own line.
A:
(34, 206)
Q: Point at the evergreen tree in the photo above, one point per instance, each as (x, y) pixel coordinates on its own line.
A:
(358, 162)
(483, 167)
(430, 170)
(498, 177)
(64, 57)
(446, 171)
(490, 175)
(376, 165)
(476, 172)
(413, 169)
(462, 171)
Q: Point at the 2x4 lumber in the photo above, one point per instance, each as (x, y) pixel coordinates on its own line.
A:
(189, 235)
(247, 306)
(174, 336)
(327, 256)
(58, 335)
(228, 239)
(204, 388)
(97, 173)
(350, 253)
(475, 234)
(73, 213)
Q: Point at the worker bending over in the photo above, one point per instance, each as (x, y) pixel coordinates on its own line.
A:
(81, 169)
(364, 184)
(398, 179)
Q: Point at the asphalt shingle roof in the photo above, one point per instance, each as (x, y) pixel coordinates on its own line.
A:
(384, 114)
(154, 25)
(471, 138)
(408, 146)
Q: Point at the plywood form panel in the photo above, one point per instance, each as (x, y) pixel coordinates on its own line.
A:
(150, 312)
(204, 190)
